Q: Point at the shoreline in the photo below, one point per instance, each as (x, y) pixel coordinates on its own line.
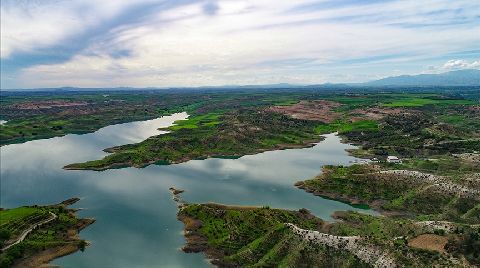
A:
(68, 238)
(197, 242)
(48, 255)
(279, 147)
(352, 201)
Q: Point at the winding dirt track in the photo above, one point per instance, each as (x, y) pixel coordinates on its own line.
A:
(370, 254)
(31, 228)
(441, 182)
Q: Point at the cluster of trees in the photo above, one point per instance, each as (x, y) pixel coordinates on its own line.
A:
(467, 245)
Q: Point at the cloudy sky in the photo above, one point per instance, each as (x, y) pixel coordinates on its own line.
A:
(147, 43)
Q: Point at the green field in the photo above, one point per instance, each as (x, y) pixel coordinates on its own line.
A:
(414, 102)
(210, 119)
(343, 126)
(17, 214)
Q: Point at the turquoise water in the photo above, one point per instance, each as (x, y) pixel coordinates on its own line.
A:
(136, 217)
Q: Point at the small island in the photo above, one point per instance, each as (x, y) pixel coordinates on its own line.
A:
(32, 236)
(176, 195)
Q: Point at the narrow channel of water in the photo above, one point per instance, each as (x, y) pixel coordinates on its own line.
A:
(136, 217)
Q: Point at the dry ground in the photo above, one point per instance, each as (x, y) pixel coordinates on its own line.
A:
(318, 110)
(430, 242)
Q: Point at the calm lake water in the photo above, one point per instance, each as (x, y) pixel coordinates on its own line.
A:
(136, 217)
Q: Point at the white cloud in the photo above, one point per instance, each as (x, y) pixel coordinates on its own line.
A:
(30, 25)
(187, 46)
(461, 64)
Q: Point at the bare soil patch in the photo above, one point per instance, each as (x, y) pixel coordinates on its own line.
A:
(32, 105)
(469, 157)
(318, 110)
(430, 242)
(46, 256)
(475, 109)
(378, 113)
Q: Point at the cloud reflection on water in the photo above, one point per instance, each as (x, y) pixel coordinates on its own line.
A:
(136, 217)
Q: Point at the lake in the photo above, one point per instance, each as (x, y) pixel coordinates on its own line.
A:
(136, 217)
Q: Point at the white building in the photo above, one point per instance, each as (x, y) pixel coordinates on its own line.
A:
(393, 159)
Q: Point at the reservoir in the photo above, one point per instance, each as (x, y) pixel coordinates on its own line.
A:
(136, 217)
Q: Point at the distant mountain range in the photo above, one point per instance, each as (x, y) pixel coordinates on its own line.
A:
(454, 78)
(469, 77)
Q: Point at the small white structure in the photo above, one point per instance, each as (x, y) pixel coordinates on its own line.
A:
(393, 159)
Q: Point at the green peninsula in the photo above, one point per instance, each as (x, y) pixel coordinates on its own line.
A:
(32, 236)
(231, 134)
(232, 236)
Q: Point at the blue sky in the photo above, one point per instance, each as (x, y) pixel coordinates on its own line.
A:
(147, 43)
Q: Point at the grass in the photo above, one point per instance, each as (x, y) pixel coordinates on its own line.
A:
(206, 120)
(417, 102)
(15, 221)
(17, 214)
(343, 126)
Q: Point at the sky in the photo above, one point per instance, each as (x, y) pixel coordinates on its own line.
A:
(177, 43)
